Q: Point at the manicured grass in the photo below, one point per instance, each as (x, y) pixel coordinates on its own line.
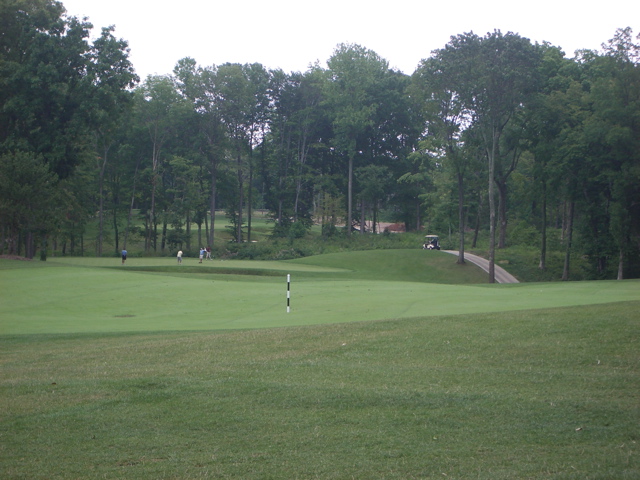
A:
(158, 295)
(153, 371)
(535, 394)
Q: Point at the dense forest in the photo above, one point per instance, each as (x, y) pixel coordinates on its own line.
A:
(490, 134)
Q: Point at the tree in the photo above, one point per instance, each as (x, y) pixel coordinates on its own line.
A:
(615, 96)
(199, 86)
(543, 134)
(234, 97)
(298, 124)
(27, 193)
(44, 88)
(113, 76)
(374, 181)
(159, 108)
(258, 125)
(354, 74)
(445, 121)
(53, 83)
(494, 77)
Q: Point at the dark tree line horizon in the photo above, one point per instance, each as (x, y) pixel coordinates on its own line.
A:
(490, 133)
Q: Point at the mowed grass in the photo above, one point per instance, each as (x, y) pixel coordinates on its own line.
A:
(451, 381)
(77, 295)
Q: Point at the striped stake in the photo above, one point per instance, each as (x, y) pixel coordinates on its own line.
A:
(288, 291)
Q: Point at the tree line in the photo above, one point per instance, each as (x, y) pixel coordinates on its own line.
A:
(490, 133)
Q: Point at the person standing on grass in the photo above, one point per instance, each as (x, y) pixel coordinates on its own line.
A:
(179, 257)
(124, 256)
(208, 253)
(202, 250)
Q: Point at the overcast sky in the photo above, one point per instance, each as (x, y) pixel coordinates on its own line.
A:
(291, 34)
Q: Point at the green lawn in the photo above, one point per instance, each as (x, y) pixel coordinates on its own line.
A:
(153, 371)
(75, 295)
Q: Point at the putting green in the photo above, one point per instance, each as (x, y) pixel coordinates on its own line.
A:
(80, 295)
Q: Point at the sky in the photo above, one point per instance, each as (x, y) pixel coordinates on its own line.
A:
(293, 34)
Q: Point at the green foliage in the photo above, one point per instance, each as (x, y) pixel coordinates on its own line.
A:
(524, 234)
(27, 199)
(357, 139)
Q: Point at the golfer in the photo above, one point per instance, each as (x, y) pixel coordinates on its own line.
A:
(202, 251)
(180, 257)
(124, 256)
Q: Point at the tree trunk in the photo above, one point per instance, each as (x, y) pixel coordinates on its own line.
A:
(155, 157)
(101, 203)
(151, 222)
(100, 213)
(188, 230)
(115, 229)
(133, 198)
(502, 213)
(621, 265)
(543, 247)
(476, 231)
(163, 242)
(155, 236)
(206, 229)
(492, 208)
(240, 200)
(250, 195)
(563, 233)
(374, 214)
(212, 203)
(461, 218)
(567, 255)
(350, 193)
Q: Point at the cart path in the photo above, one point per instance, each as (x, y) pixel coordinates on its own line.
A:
(502, 276)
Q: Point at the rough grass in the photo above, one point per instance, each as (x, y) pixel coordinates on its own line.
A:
(536, 394)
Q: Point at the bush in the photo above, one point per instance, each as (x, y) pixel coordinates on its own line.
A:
(523, 234)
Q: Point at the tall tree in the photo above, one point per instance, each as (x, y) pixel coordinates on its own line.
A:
(113, 76)
(354, 74)
(199, 86)
(27, 199)
(297, 125)
(615, 96)
(445, 121)
(158, 109)
(242, 97)
(234, 99)
(48, 83)
(257, 124)
(494, 75)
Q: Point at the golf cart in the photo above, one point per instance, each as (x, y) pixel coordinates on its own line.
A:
(431, 242)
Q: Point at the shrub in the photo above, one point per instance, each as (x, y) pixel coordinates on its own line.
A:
(523, 234)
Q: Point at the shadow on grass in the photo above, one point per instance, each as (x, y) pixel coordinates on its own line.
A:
(190, 270)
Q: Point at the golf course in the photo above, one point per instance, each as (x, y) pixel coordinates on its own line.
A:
(389, 364)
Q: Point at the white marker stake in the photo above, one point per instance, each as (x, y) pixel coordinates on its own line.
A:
(288, 291)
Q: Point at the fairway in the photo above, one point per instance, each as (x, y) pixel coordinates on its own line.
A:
(391, 365)
(99, 295)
